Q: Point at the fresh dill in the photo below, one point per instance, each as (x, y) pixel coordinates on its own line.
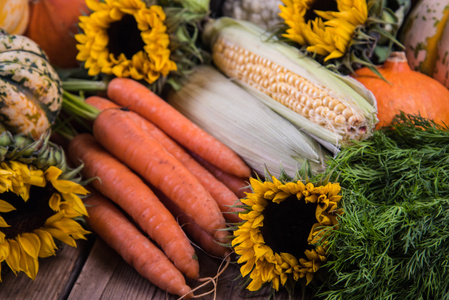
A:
(393, 238)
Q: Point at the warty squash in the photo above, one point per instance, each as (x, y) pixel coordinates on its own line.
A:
(30, 88)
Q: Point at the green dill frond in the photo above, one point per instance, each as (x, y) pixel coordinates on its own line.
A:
(394, 232)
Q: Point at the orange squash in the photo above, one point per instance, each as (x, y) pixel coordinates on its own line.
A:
(14, 16)
(53, 24)
(406, 90)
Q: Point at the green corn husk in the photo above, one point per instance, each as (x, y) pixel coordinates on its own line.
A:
(236, 118)
(237, 35)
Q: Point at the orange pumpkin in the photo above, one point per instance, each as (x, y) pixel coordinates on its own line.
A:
(14, 15)
(53, 24)
(406, 90)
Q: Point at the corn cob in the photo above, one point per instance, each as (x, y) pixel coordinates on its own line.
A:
(264, 139)
(331, 107)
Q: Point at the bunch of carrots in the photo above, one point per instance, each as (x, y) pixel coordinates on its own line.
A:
(159, 182)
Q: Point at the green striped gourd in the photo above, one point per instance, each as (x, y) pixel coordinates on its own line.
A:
(30, 88)
(425, 35)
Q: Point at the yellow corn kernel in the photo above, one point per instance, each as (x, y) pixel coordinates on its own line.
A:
(333, 108)
(286, 87)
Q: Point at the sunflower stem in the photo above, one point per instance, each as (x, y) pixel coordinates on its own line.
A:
(76, 105)
(75, 85)
(76, 114)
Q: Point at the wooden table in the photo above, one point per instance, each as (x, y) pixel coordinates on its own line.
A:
(94, 271)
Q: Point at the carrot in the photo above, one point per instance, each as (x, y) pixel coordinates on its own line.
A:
(116, 130)
(201, 237)
(239, 185)
(224, 197)
(101, 103)
(137, 97)
(119, 233)
(118, 183)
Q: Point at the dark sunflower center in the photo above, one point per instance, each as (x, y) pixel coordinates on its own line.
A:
(323, 5)
(287, 225)
(124, 37)
(28, 215)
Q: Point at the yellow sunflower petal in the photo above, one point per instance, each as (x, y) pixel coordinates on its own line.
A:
(330, 33)
(256, 282)
(32, 267)
(290, 259)
(48, 246)
(276, 281)
(4, 250)
(69, 212)
(150, 23)
(55, 202)
(28, 264)
(260, 250)
(258, 259)
(36, 178)
(246, 256)
(62, 236)
(24, 261)
(13, 259)
(6, 207)
(280, 196)
(30, 243)
(309, 277)
(247, 268)
(70, 227)
(257, 186)
(76, 203)
(240, 238)
(3, 223)
(258, 221)
(63, 186)
(54, 218)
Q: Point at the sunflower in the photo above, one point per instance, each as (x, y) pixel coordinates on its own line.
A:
(125, 38)
(328, 34)
(40, 202)
(36, 208)
(344, 34)
(283, 234)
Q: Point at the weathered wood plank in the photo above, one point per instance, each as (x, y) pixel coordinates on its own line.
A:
(96, 273)
(106, 276)
(54, 279)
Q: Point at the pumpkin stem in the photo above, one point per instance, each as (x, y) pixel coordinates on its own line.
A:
(397, 61)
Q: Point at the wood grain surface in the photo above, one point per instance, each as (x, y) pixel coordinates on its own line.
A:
(94, 271)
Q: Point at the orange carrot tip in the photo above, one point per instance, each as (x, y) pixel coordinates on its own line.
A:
(119, 233)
